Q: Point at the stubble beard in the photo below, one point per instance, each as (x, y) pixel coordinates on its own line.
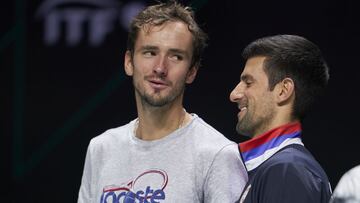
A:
(156, 99)
(251, 125)
(244, 126)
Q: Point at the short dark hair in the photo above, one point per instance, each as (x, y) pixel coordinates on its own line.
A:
(170, 11)
(297, 58)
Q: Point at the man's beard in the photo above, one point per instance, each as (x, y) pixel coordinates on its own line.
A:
(156, 100)
(249, 125)
(245, 126)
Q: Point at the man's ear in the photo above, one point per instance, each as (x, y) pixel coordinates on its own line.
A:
(285, 90)
(191, 75)
(128, 63)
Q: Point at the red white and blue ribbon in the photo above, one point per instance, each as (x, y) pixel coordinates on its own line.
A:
(262, 147)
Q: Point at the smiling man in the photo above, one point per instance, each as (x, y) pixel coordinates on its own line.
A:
(166, 154)
(282, 77)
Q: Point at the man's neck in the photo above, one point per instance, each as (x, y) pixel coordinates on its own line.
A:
(158, 122)
(275, 123)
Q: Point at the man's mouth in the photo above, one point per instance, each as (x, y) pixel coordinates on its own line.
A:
(242, 107)
(158, 83)
(242, 111)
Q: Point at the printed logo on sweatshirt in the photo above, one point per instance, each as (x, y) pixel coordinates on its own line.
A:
(148, 187)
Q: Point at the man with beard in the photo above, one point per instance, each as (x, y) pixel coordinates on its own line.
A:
(282, 77)
(166, 154)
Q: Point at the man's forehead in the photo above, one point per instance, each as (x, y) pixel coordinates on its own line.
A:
(254, 64)
(254, 68)
(149, 27)
(169, 36)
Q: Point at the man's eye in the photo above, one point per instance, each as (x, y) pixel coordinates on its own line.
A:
(247, 83)
(176, 57)
(148, 53)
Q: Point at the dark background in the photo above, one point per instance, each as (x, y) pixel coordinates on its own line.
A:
(56, 97)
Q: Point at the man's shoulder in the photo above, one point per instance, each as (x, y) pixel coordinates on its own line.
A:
(292, 174)
(202, 125)
(296, 155)
(208, 140)
(294, 160)
(206, 133)
(111, 135)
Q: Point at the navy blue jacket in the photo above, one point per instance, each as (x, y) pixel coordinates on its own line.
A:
(291, 175)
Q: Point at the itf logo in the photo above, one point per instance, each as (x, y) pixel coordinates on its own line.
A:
(148, 187)
(71, 17)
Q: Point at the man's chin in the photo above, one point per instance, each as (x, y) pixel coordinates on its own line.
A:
(156, 103)
(242, 131)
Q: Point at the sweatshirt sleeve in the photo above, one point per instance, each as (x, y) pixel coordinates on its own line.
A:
(226, 177)
(85, 193)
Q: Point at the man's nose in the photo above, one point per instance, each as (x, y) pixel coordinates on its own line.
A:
(160, 67)
(237, 93)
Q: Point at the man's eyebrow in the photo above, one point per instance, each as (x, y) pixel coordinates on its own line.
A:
(179, 51)
(149, 47)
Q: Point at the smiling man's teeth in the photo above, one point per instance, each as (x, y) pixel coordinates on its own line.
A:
(243, 108)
